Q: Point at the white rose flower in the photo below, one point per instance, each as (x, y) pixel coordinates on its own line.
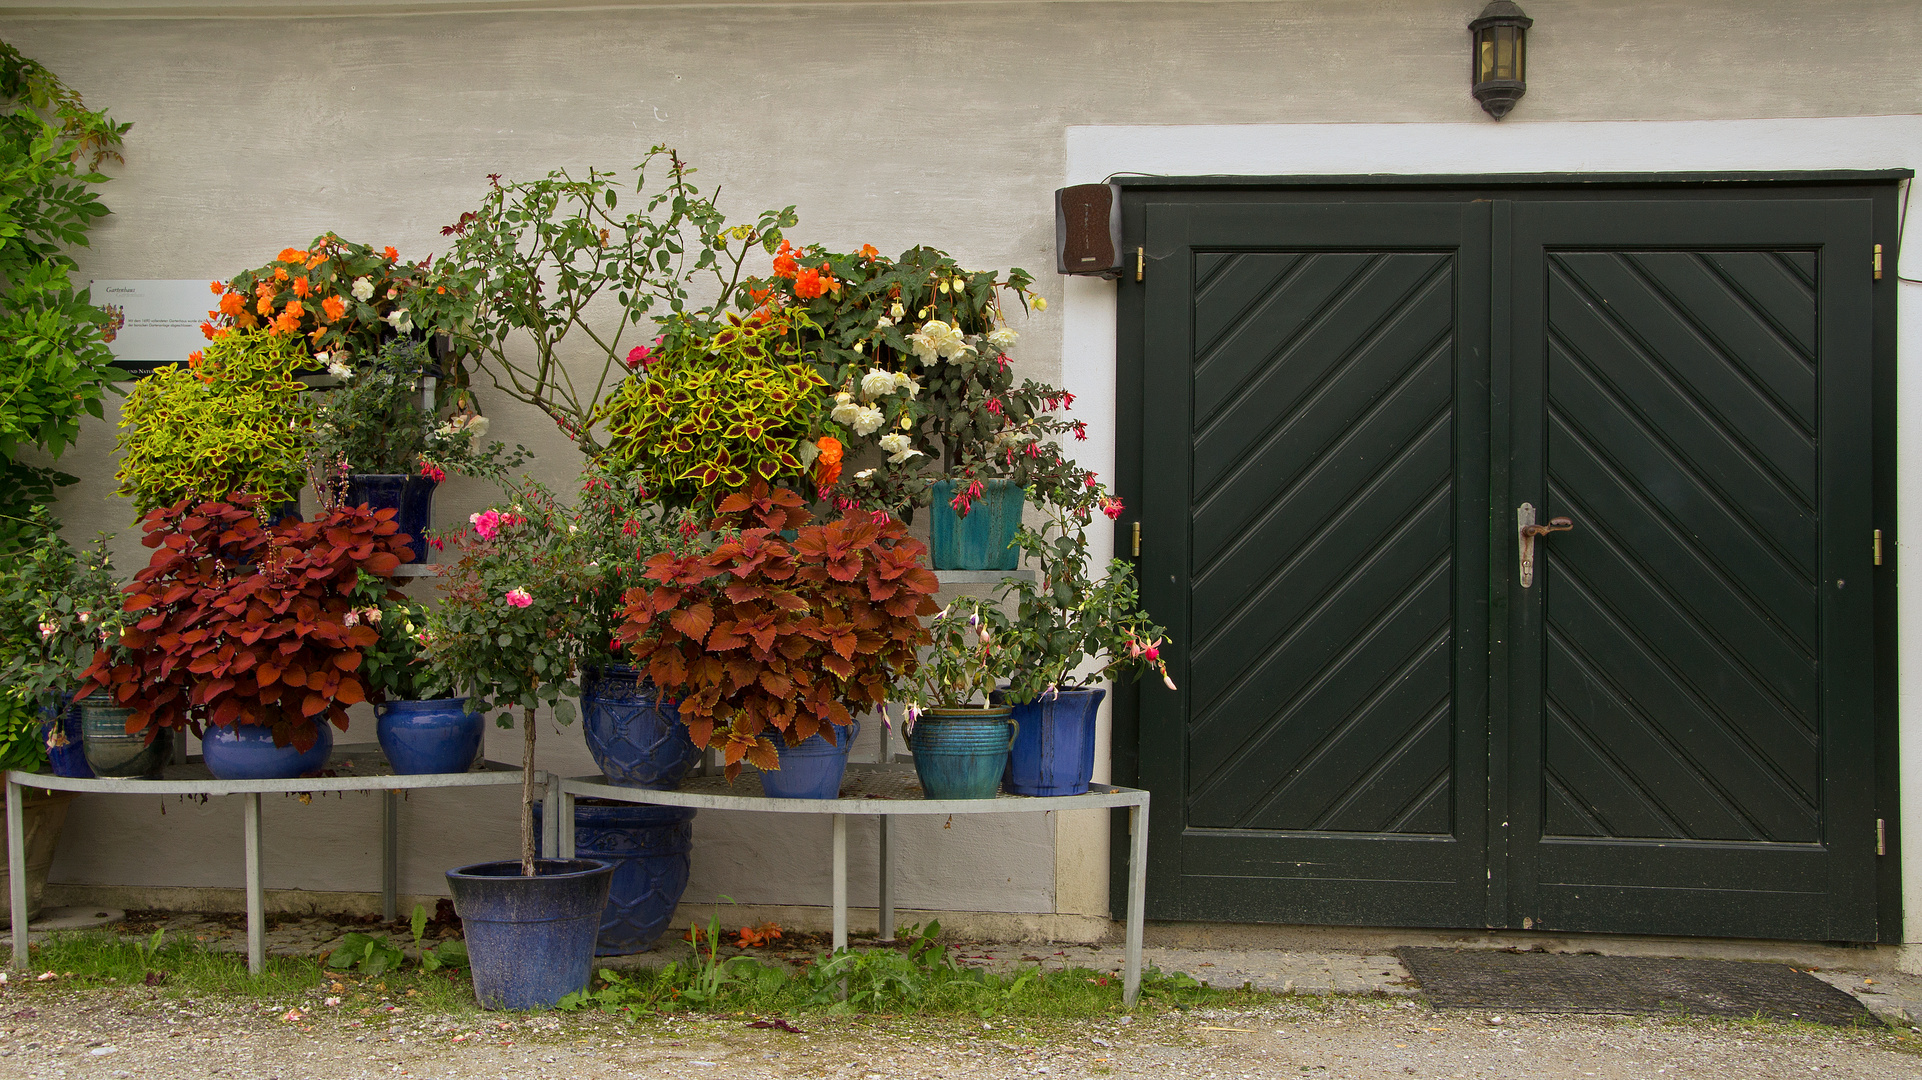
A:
(883, 322)
(937, 339)
(877, 383)
(340, 371)
(845, 413)
(867, 420)
(899, 448)
(400, 320)
(363, 289)
(477, 425)
(1003, 338)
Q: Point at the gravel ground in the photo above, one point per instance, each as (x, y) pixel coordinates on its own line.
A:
(138, 1032)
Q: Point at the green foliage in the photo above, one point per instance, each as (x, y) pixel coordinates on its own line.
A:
(398, 666)
(717, 413)
(376, 422)
(236, 422)
(20, 744)
(61, 608)
(445, 954)
(341, 298)
(367, 954)
(536, 254)
(1063, 618)
(54, 366)
(957, 671)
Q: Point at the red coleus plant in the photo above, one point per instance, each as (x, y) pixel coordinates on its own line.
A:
(236, 622)
(764, 634)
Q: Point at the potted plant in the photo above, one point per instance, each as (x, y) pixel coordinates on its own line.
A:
(1063, 623)
(959, 738)
(509, 632)
(232, 420)
(375, 442)
(70, 605)
(421, 726)
(764, 637)
(242, 634)
(22, 748)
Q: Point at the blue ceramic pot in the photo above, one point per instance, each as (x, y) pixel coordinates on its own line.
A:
(1053, 751)
(961, 753)
(65, 753)
(650, 849)
(410, 497)
(812, 770)
(530, 940)
(247, 752)
(436, 736)
(635, 737)
(984, 539)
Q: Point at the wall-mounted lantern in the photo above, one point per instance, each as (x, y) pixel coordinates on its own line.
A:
(1500, 36)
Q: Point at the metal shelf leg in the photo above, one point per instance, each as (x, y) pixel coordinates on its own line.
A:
(17, 871)
(390, 855)
(256, 900)
(566, 818)
(887, 879)
(1137, 900)
(840, 882)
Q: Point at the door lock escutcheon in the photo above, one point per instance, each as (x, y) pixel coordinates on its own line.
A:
(1526, 531)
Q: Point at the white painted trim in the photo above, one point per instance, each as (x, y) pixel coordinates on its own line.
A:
(1765, 145)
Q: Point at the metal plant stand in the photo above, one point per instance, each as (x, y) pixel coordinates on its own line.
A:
(883, 791)
(356, 767)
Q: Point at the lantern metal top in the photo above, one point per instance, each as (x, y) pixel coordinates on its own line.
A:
(1501, 12)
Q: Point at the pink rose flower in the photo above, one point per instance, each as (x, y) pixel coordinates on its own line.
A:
(519, 597)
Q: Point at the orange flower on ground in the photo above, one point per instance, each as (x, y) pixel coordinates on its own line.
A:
(867, 252)
(301, 287)
(827, 467)
(334, 307)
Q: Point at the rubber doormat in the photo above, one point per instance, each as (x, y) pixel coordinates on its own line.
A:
(1561, 982)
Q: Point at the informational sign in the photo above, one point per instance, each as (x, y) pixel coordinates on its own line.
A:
(153, 321)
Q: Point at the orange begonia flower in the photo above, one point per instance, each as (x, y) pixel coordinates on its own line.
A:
(265, 306)
(316, 260)
(232, 304)
(301, 287)
(389, 254)
(207, 330)
(827, 467)
(291, 255)
(217, 286)
(334, 307)
(295, 308)
(814, 282)
(280, 273)
(868, 252)
(287, 323)
(193, 359)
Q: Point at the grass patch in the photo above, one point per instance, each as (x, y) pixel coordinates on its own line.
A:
(179, 968)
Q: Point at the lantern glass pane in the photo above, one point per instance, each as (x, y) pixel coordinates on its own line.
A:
(1504, 52)
(1521, 50)
(1485, 56)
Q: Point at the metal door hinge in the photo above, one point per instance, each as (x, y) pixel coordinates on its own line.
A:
(1878, 547)
(1878, 262)
(1141, 263)
(1137, 538)
(1881, 837)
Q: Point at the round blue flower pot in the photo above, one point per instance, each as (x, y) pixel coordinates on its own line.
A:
(247, 752)
(65, 753)
(1053, 752)
(984, 539)
(435, 736)
(410, 497)
(635, 737)
(530, 941)
(812, 770)
(650, 849)
(961, 753)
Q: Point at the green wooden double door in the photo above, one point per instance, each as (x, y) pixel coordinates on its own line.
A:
(1347, 406)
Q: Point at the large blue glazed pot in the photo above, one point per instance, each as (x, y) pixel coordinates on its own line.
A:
(961, 753)
(410, 497)
(530, 941)
(436, 736)
(650, 849)
(984, 539)
(65, 753)
(247, 752)
(812, 770)
(1053, 752)
(635, 737)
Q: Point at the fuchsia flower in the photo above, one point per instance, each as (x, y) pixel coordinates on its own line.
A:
(432, 471)
(1112, 507)
(519, 597)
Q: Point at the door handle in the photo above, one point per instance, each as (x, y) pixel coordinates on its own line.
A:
(1526, 531)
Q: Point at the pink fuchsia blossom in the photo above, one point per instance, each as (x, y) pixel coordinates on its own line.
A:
(48, 629)
(1112, 507)
(432, 471)
(518, 597)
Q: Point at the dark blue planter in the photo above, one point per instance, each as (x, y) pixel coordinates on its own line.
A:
(411, 497)
(649, 848)
(961, 753)
(812, 770)
(70, 757)
(981, 541)
(637, 739)
(247, 752)
(437, 736)
(1053, 750)
(530, 940)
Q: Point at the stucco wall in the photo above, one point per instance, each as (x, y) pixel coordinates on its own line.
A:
(884, 123)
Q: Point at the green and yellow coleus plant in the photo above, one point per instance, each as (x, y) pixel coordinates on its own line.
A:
(234, 420)
(713, 415)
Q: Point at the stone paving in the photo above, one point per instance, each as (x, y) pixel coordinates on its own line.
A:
(1894, 998)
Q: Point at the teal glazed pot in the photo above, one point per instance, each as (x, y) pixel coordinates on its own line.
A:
(984, 540)
(961, 753)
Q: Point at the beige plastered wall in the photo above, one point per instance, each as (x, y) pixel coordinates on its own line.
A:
(884, 123)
